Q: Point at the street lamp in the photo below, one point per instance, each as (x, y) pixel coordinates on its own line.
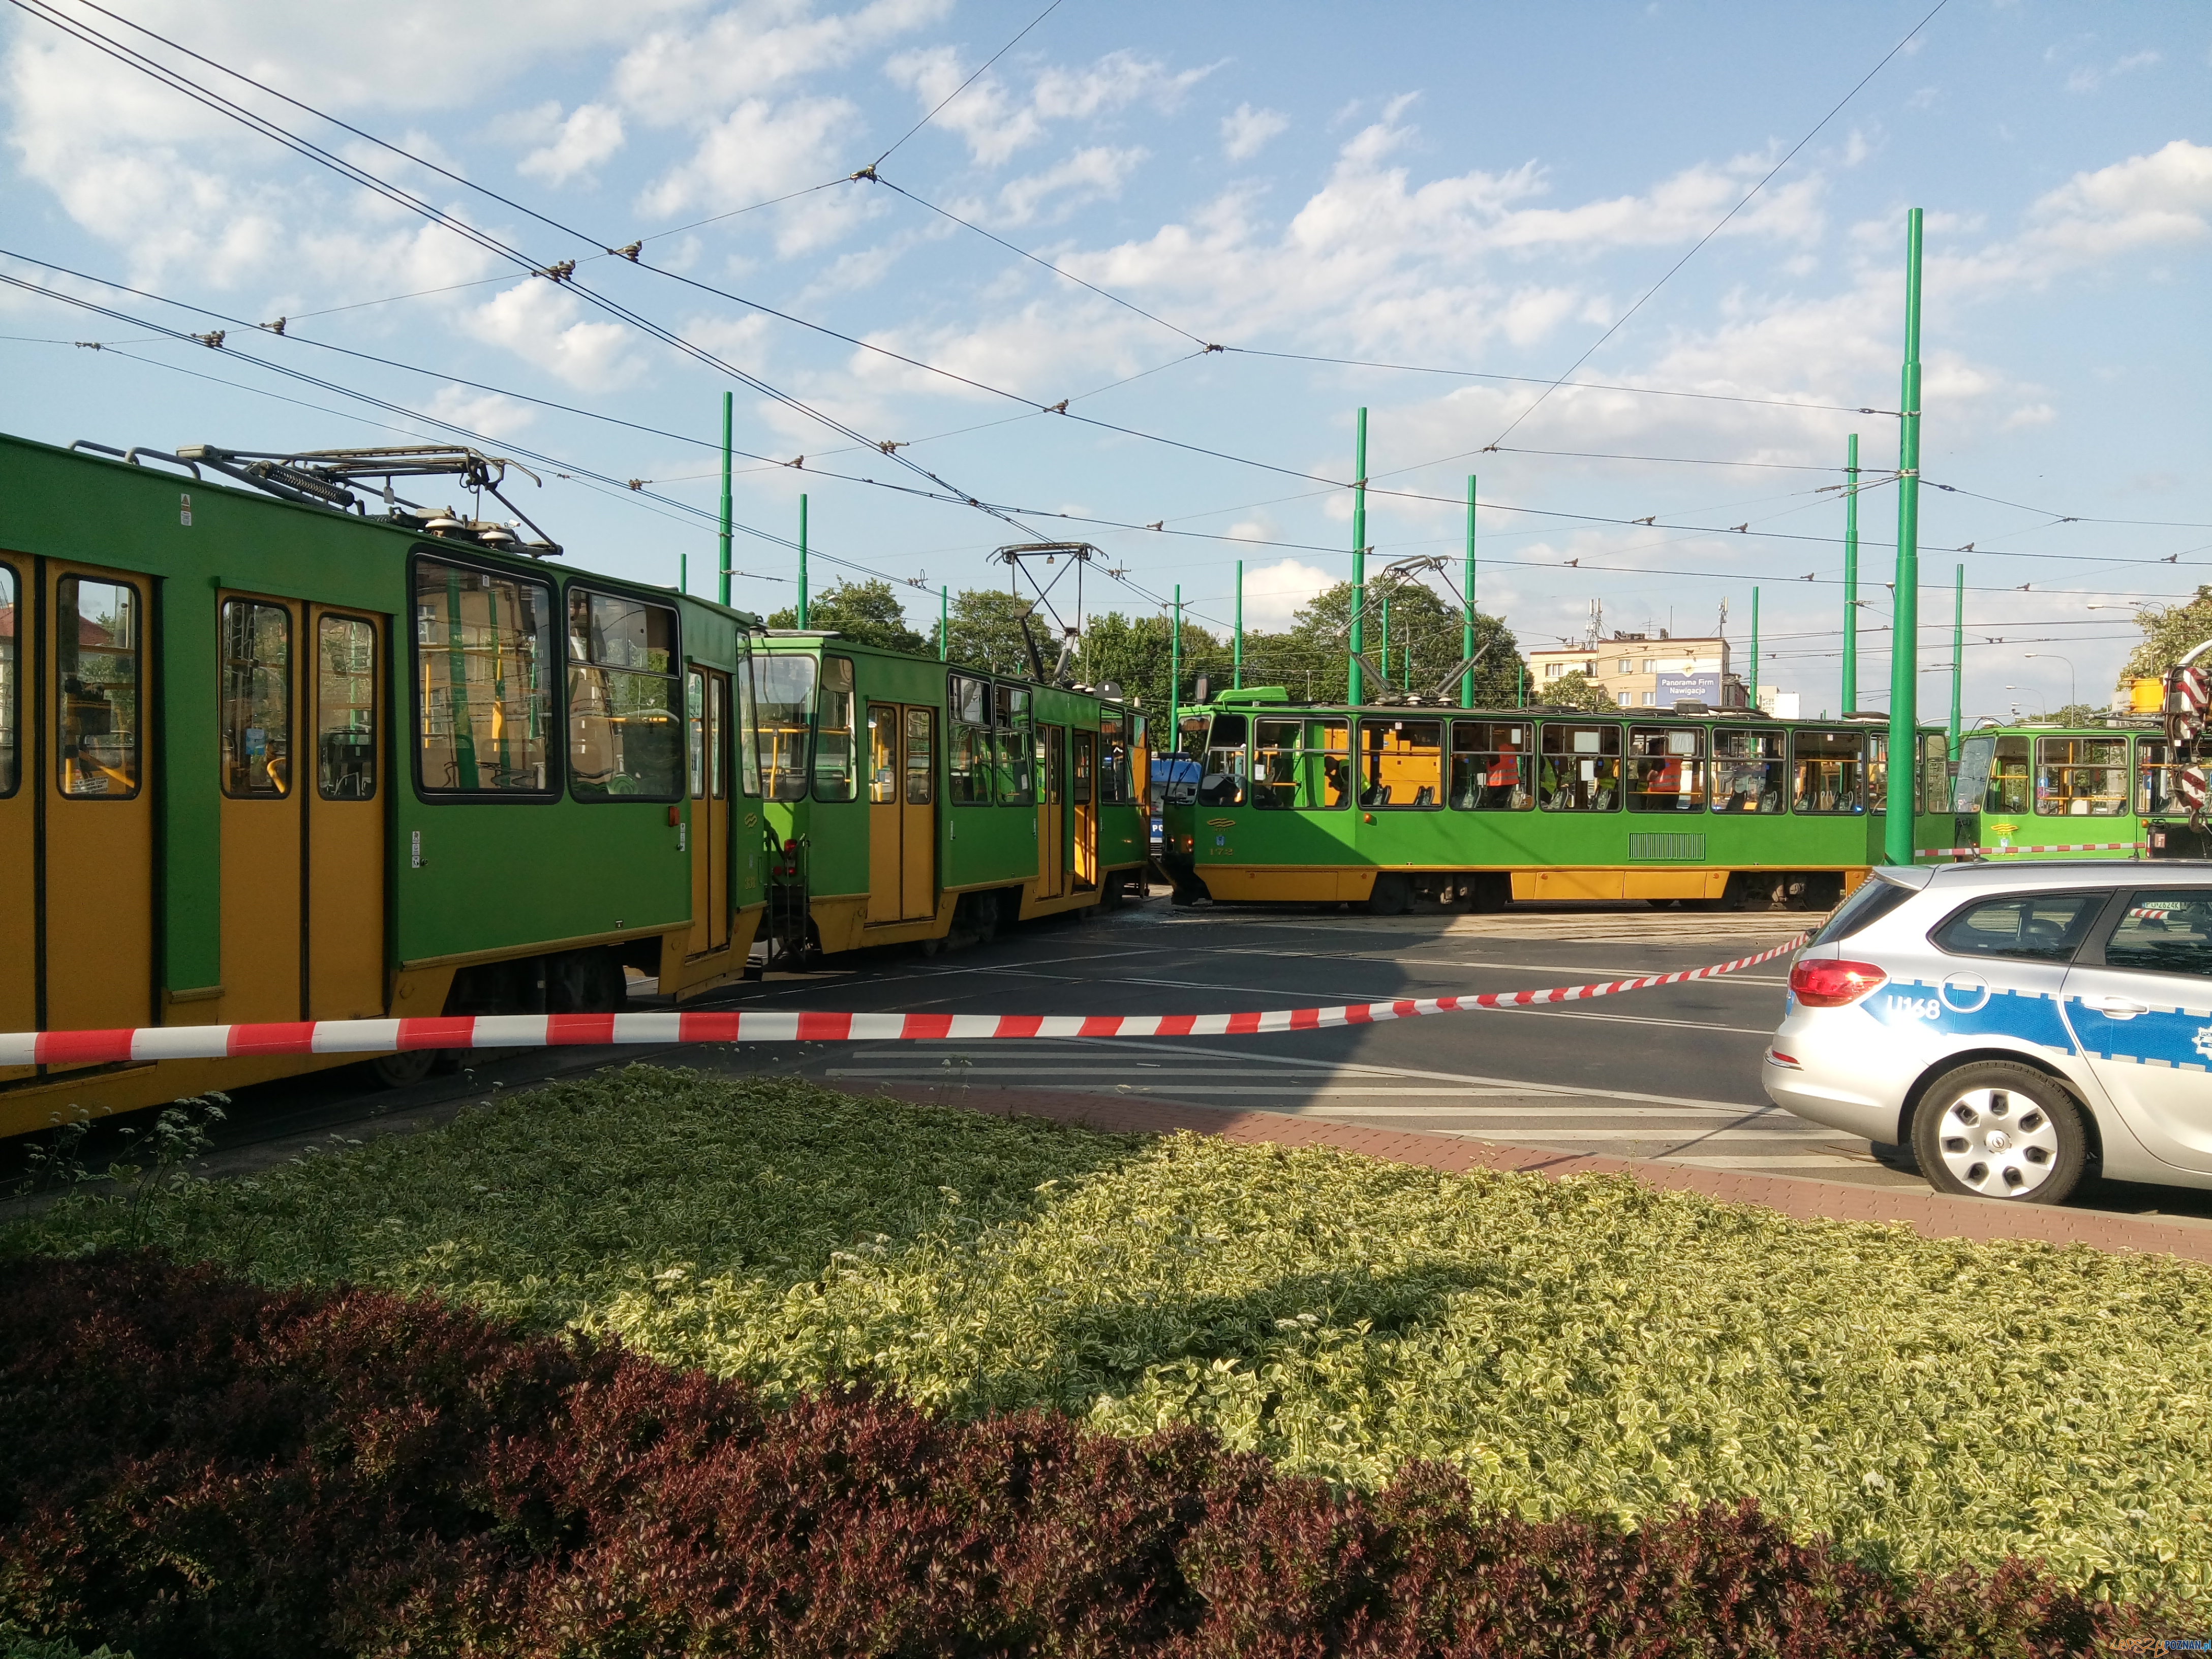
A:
(2071, 687)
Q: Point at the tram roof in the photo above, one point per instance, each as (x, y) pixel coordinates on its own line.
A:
(1254, 701)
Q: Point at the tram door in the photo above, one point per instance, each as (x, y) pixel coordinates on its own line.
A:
(262, 828)
(340, 788)
(1052, 808)
(88, 767)
(901, 812)
(707, 707)
(1083, 796)
(19, 806)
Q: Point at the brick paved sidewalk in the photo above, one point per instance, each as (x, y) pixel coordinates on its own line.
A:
(1927, 1213)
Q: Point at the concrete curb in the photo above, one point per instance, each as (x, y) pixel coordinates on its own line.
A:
(1927, 1213)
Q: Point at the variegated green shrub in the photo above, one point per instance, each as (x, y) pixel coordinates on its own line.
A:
(1589, 1344)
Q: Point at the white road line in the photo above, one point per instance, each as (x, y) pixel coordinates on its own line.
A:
(1350, 1068)
(1836, 1161)
(1614, 972)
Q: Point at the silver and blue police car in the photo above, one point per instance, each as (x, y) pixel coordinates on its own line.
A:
(2016, 1025)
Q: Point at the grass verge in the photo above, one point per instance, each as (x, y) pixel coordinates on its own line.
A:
(1587, 1347)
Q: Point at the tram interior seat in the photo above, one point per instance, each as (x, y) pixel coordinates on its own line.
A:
(1427, 796)
(1376, 795)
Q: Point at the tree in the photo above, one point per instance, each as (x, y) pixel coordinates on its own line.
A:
(1423, 622)
(2169, 632)
(1579, 691)
(986, 632)
(868, 612)
(2079, 713)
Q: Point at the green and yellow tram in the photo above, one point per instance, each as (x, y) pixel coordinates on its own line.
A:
(911, 800)
(2040, 787)
(263, 760)
(1381, 805)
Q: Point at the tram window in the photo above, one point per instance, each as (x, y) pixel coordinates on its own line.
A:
(2007, 790)
(1301, 764)
(921, 767)
(1017, 779)
(695, 731)
(1117, 784)
(96, 648)
(11, 771)
(783, 697)
(1971, 777)
(749, 767)
(2154, 778)
(1877, 772)
(1490, 766)
(1079, 773)
(1221, 776)
(1830, 772)
(1749, 771)
(1402, 764)
(345, 708)
(968, 757)
(833, 732)
(883, 753)
(1935, 771)
(483, 674)
(1666, 769)
(1578, 769)
(718, 735)
(2081, 777)
(624, 740)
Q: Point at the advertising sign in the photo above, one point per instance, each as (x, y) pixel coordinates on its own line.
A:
(1698, 688)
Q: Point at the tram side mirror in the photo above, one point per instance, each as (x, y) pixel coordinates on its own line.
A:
(1201, 690)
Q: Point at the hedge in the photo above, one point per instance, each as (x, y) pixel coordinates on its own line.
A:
(207, 1467)
(1577, 1348)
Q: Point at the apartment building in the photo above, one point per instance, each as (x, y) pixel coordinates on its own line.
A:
(1644, 670)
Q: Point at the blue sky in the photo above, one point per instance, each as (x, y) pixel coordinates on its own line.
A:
(1480, 188)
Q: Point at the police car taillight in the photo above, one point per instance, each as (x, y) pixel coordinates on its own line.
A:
(1828, 984)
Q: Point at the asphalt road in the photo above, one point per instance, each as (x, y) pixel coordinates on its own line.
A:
(1668, 1073)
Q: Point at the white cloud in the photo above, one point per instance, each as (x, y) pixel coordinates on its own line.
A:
(2090, 77)
(2029, 415)
(489, 414)
(586, 138)
(998, 122)
(2163, 199)
(1274, 592)
(540, 322)
(1085, 176)
(757, 150)
(678, 74)
(1247, 132)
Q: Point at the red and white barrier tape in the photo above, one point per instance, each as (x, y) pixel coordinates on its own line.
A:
(383, 1037)
(2005, 852)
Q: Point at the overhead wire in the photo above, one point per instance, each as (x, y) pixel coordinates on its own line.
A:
(1622, 320)
(968, 82)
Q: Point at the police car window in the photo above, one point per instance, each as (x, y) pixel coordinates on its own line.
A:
(2166, 931)
(2027, 926)
(1874, 899)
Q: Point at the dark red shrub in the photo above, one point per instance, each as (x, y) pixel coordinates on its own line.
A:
(197, 1466)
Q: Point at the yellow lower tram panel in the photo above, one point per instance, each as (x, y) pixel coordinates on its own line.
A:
(1233, 883)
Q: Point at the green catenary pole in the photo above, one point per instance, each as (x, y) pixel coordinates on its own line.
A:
(1958, 650)
(802, 561)
(1237, 670)
(1754, 650)
(1905, 639)
(1521, 684)
(1174, 677)
(1352, 686)
(1851, 573)
(945, 624)
(728, 404)
(1386, 643)
(1466, 623)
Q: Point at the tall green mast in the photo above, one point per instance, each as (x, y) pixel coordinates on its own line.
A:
(1467, 623)
(1904, 641)
(1851, 574)
(1353, 688)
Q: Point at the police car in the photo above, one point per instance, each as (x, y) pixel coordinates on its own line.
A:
(2017, 1026)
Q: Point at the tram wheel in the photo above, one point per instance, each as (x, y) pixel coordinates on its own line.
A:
(1391, 894)
(401, 1070)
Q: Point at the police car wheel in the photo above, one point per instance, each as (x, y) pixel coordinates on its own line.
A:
(1994, 1129)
